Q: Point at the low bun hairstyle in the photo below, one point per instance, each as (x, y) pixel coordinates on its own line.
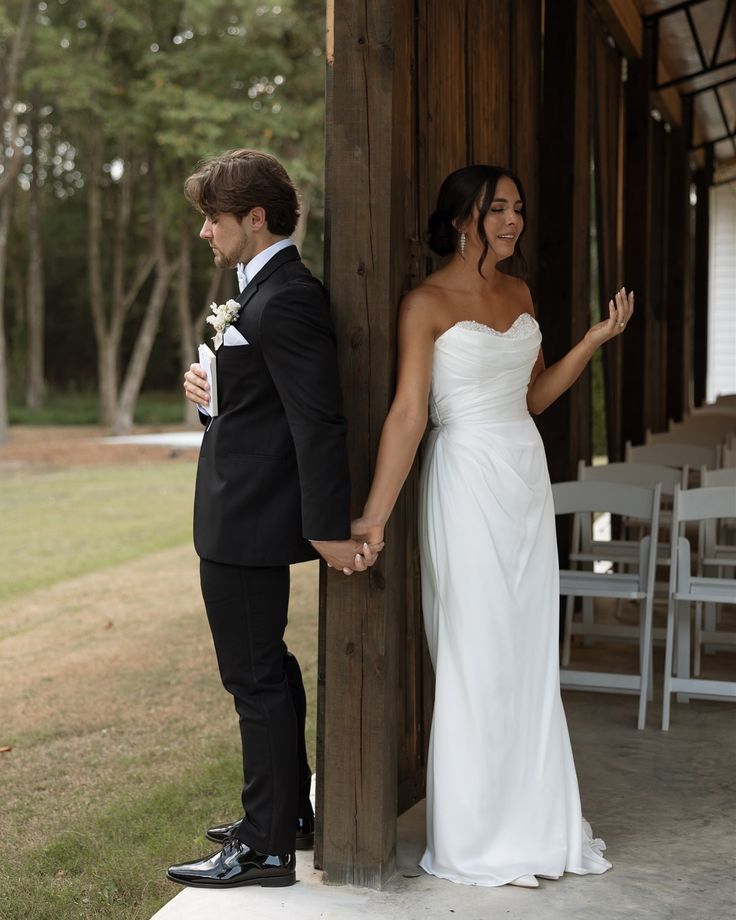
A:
(442, 236)
(459, 193)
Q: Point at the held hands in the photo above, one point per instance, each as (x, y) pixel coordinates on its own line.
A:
(356, 555)
(619, 314)
(348, 555)
(196, 388)
(367, 531)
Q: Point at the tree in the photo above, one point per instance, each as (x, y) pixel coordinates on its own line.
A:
(14, 43)
(35, 382)
(135, 93)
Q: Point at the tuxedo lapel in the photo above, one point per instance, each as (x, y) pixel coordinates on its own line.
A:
(290, 254)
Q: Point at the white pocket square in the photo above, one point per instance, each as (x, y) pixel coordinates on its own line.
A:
(233, 337)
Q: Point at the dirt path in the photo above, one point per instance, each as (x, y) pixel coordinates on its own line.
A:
(71, 446)
(109, 684)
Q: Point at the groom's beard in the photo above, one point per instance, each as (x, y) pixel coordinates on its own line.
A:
(224, 260)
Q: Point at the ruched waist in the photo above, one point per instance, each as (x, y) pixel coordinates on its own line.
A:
(479, 421)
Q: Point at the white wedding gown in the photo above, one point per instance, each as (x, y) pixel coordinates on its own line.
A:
(502, 793)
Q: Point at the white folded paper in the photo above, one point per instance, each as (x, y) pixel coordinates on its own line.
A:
(209, 366)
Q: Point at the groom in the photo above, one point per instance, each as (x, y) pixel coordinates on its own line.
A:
(272, 488)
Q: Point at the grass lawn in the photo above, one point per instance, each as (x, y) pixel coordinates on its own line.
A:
(124, 745)
(58, 524)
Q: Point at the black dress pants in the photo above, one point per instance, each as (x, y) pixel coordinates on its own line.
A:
(247, 611)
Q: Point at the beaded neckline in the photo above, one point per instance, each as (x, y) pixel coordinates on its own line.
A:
(519, 329)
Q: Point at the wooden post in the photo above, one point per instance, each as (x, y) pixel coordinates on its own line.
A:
(564, 267)
(368, 262)
(678, 371)
(413, 92)
(525, 103)
(635, 413)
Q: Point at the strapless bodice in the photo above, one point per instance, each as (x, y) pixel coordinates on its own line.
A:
(480, 376)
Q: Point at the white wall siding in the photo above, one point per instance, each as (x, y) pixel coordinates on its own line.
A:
(722, 292)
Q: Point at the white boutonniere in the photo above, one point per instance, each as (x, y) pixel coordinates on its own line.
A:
(224, 314)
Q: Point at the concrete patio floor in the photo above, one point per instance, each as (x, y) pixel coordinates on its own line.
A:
(663, 802)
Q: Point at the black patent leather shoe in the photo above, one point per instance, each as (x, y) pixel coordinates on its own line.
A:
(304, 832)
(236, 864)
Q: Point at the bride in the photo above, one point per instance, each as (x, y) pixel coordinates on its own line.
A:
(503, 805)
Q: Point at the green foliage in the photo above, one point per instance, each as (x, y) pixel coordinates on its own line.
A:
(84, 409)
(157, 86)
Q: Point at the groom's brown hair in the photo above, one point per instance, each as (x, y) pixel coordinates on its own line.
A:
(238, 181)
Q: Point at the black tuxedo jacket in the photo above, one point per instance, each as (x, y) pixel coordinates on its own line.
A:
(273, 469)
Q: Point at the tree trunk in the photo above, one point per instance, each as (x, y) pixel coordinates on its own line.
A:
(6, 206)
(187, 347)
(142, 350)
(107, 357)
(18, 48)
(108, 321)
(138, 363)
(107, 379)
(35, 382)
(11, 168)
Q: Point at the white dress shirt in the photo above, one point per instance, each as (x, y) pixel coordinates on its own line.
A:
(248, 271)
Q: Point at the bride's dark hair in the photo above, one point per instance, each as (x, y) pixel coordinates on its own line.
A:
(459, 193)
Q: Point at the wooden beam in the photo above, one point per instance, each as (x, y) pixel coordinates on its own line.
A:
(525, 107)
(624, 22)
(564, 266)
(679, 333)
(360, 620)
(488, 112)
(636, 413)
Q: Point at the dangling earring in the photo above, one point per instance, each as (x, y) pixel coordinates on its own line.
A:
(462, 244)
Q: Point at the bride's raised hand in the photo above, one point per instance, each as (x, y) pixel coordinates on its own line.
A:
(619, 313)
(369, 532)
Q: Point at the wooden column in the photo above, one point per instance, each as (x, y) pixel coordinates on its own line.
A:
(678, 370)
(703, 181)
(564, 267)
(638, 228)
(525, 104)
(658, 266)
(369, 228)
(415, 89)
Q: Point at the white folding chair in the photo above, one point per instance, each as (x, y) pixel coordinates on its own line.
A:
(710, 418)
(705, 504)
(716, 550)
(708, 437)
(671, 454)
(622, 553)
(620, 499)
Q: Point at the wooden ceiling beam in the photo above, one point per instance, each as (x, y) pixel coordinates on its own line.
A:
(625, 24)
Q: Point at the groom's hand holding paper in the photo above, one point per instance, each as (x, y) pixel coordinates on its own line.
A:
(196, 387)
(209, 366)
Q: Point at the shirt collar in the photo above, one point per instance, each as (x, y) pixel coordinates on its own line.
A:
(248, 271)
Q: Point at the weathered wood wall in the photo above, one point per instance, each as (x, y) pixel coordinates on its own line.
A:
(416, 88)
(564, 297)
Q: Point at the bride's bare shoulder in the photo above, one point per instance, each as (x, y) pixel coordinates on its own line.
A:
(424, 302)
